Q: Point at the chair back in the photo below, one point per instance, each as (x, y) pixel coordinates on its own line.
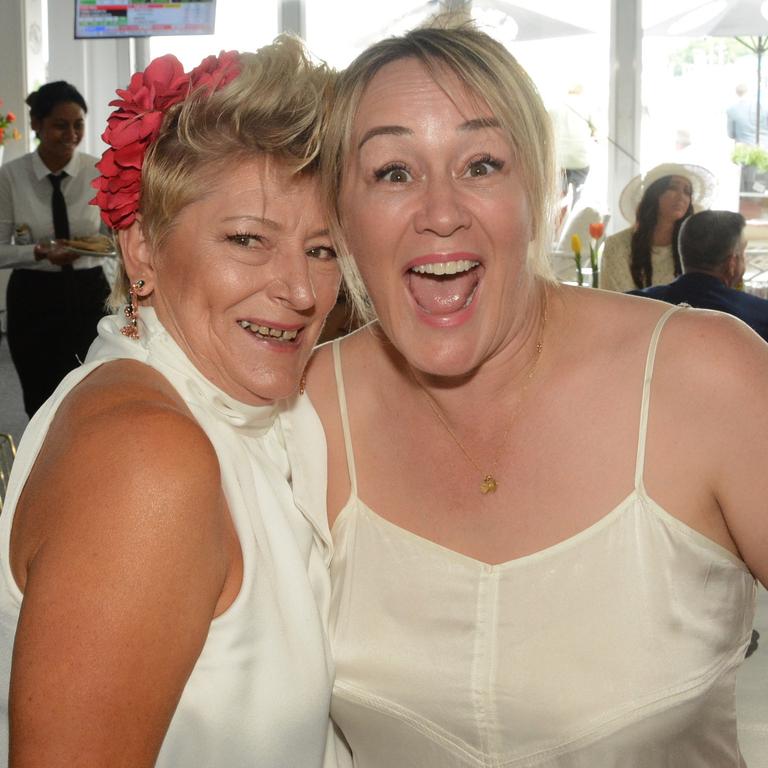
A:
(7, 455)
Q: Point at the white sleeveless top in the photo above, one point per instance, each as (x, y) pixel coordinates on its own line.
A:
(616, 648)
(259, 693)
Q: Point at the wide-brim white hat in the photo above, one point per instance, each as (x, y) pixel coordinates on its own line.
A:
(703, 184)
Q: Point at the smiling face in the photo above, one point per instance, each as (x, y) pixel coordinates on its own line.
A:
(675, 201)
(60, 132)
(245, 278)
(436, 216)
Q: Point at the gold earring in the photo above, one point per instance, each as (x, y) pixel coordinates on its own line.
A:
(132, 310)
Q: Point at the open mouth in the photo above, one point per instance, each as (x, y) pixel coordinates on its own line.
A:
(267, 332)
(444, 288)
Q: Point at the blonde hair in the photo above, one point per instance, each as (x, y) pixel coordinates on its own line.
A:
(492, 75)
(276, 106)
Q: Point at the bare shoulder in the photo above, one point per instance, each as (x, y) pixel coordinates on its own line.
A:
(609, 323)
(719, 352)
(121, 449)
(126, 416)
(702, 345)
(355, 349)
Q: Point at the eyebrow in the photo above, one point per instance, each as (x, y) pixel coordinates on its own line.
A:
(274, 225)
(256, 219)
(385, 130)
(476, 124)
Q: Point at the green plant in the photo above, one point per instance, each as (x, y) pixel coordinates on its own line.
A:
(743, 154)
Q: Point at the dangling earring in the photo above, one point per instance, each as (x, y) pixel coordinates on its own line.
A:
(132, 310)
(303, 383)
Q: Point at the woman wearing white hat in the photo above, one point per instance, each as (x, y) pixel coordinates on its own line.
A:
(646, 253)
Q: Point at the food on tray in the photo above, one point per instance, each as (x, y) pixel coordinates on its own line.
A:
(92, 243)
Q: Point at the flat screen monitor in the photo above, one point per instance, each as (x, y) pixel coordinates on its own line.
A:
(132, 18)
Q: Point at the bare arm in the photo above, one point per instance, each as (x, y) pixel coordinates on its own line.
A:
(120, 549)
(740, 470)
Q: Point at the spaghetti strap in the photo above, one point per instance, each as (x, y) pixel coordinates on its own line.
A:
(341, 393)
(644, 407)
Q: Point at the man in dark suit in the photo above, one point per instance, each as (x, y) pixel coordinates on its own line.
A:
(711, 245)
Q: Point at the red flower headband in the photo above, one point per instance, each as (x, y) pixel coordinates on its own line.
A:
(136, 123)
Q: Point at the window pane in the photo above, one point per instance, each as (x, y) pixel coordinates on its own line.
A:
(240, 25)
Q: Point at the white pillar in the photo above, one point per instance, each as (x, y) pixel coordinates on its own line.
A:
(624, 102)
(291, 18)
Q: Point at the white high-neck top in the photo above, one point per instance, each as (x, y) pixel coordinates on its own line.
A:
(615, 648)
(259, 693)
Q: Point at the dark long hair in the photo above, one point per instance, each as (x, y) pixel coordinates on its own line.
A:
(642, 238)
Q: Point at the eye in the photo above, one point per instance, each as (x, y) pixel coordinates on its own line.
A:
(322, 252)
(394, 172)
(483, 166)
(246, 239)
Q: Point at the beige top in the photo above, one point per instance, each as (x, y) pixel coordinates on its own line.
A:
(617, 647)
(615, 274)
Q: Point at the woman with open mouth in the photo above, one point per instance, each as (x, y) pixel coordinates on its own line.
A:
(496, 602)
(163, 548)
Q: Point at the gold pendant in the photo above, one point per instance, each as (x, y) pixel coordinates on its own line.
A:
(488, 485)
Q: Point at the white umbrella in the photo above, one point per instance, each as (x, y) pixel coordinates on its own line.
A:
(745, 20)
(514, 22)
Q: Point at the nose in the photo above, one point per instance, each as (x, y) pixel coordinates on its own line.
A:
(291, 283)
(440, 209)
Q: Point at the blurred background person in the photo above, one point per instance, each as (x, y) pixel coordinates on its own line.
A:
(575, 130)
(56, 295)
(742, 118)
(712, 246)
(647, 252)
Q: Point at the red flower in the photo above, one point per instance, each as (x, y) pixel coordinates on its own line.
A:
(215, 72)
(10, 117)
(136, 123)
(596, 230)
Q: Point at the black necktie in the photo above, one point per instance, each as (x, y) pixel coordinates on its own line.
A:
(59, 210)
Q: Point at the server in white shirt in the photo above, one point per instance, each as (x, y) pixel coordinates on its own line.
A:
(55, 295)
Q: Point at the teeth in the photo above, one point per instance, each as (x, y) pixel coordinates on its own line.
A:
(265, 330)
(446, 267)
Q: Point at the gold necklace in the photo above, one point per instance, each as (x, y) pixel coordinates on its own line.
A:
(489, 483)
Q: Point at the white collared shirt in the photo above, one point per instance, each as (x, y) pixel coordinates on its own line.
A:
(25, 198)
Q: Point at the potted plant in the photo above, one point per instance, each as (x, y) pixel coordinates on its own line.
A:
(754, 167)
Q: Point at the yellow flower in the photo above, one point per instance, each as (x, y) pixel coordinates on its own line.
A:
(576, 243)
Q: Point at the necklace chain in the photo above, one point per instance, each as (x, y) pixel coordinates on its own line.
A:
(489, 483)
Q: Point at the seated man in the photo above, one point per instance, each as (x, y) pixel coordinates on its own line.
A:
(711, 246)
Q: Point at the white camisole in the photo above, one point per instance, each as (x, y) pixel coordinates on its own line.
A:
(259, 694)
(615, 648)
